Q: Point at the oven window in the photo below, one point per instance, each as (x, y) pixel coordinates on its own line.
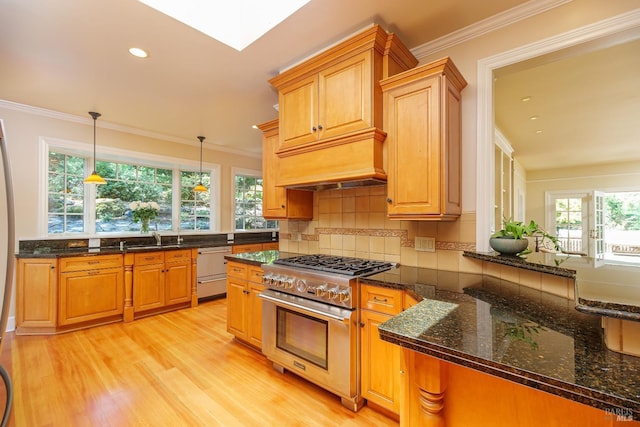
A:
(303, 336)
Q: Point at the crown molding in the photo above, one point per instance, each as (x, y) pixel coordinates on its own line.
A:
(495, 22)
(56, 115)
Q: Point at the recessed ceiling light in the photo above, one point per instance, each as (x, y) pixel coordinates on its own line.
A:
(538, 131)
(137, 52)
(235, 23)
(525, 99)
(534, 118)
(254, 126)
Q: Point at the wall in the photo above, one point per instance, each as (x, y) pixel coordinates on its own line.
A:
(353, 222)
(24, 128)
(611, 177)
(340, 224)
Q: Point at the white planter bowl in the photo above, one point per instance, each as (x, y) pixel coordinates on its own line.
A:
(508, 246)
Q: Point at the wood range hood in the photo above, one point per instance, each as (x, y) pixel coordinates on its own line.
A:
(330, 113)
(354, 160)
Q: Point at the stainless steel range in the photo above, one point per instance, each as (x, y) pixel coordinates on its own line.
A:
(310, 320)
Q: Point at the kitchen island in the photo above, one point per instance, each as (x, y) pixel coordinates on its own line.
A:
(484, 351)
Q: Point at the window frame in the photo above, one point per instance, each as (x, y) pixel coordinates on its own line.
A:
(111, 154)
(245, 172)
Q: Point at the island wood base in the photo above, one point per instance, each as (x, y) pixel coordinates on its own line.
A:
(439, 393)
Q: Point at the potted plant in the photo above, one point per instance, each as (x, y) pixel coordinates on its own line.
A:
(513, 238)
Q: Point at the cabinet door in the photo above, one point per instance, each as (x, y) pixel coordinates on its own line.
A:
(254, 323)
(274, 199)
(298, 107)
(413, 138)
(380, 364)
(37, 294)
(148, 287)
(279, 202)
(178, 283)
(345, 93)
(237, 307)
(90, 295)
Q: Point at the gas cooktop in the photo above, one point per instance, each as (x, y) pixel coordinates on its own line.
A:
(336, 264)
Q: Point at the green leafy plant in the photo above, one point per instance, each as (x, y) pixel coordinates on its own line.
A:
(520, 230)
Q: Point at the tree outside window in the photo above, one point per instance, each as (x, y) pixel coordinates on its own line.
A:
(248, 201)
(195, 207)
(65, 207)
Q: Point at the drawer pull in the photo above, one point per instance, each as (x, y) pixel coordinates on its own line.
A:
(376, 299)
(93, 262)
(150, 258)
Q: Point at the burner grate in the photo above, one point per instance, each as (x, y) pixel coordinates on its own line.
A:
(335, 264)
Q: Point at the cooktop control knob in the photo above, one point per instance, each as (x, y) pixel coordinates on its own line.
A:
(266, 279)
(344, 295)
(333, 293)
(288, 282)
(301, 285)
(321, 290)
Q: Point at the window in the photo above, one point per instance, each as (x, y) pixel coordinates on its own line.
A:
(65, 205)
(601, 225)
(71, 204)
(127, 183)
(194, 207)
(248, 203)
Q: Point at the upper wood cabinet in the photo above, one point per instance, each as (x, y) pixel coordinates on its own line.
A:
(422, 118)
(331, 110)
(279, 202)
(331, 102)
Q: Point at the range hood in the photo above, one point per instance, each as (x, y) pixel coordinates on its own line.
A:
(354, 160)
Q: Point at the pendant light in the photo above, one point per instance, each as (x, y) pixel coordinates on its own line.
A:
(94, 178)
(200, 187)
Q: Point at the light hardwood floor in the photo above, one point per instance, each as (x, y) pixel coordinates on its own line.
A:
(176, 369)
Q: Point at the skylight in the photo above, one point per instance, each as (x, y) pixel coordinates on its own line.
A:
(235, 23)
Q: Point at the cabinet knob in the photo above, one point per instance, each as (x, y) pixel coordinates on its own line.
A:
(53, 267)
(362, 324)
(282, 206)
(389, 200)
(319, 127)
(314, 129)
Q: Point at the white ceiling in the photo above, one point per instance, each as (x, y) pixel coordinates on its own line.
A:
(586, 101)
(72, 56)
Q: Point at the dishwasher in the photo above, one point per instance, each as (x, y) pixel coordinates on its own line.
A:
(211, 280)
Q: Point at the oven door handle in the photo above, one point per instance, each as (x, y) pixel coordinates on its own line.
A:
(279, 301)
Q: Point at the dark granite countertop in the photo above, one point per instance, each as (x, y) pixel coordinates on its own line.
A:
(604, 289)
(513, 332)
(260, 257)
(55, 248)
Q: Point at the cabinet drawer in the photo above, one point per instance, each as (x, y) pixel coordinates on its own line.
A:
(255, 274)
(90, 263)
(383, 300)
(237, 270)
(148, 258)
(273, 246)
(253, 247)
(177, 256)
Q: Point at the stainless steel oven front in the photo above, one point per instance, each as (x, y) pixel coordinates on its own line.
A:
(315, 340)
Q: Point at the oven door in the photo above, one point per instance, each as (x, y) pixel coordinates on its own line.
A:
(314, 340)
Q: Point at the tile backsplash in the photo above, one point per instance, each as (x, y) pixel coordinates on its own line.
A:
(353, 222)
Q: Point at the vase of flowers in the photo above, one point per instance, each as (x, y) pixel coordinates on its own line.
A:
(143, 212)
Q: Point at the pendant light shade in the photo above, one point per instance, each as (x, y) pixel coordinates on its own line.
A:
(200, 187)
(94, 178)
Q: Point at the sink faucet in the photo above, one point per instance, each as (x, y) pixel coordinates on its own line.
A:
(179, 238)
(158, 238)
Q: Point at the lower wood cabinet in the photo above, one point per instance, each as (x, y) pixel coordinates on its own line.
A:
(36, 295)
(380, 359)
(244, 308)
(161, 279)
